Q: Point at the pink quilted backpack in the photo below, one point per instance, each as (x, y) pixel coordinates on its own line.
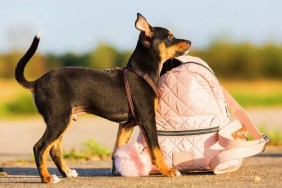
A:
(195, 132)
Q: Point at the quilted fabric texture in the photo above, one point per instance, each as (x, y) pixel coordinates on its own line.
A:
(191, 98)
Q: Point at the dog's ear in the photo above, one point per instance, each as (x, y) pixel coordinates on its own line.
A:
(142, 25)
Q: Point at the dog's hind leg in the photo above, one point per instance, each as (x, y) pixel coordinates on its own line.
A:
(123, 135)
(57, 157)
(56, 125)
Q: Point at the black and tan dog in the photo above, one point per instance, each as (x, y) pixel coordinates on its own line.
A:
(62, 93)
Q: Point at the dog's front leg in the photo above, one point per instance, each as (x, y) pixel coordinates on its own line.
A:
(123, 135)
(150, 134)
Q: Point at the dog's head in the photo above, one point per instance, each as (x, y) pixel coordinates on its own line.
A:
(160, 40)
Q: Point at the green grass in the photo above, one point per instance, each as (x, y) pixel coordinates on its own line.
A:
(274, 136)
(91, 150)
(23, 104)
(251, 100)
(256, 93)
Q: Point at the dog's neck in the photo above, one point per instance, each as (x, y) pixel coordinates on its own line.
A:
(146, 61)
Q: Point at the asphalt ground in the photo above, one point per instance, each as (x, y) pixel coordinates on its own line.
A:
(264, 170)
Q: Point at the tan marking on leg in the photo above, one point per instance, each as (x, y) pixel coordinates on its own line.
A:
(64, 166)
(159, 162)
(58, 145)
(156, 103)
(123, 134)
(46, 176)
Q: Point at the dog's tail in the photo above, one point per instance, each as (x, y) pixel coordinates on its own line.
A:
(19, 72)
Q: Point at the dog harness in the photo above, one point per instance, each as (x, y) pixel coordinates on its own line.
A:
(146, 78)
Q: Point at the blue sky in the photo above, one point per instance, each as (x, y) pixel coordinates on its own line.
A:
(79, 26)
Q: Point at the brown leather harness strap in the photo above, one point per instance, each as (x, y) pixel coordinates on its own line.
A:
(128, 94)
(146, 78)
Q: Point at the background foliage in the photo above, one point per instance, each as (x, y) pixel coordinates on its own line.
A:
(243, 60)
(252, 73)
(229, 60)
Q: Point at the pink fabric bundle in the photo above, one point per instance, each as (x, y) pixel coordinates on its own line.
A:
(133, 160)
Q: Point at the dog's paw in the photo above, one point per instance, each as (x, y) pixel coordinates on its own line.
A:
(71, 174)
(3, 174)
(51, 179)
(178, 173)
(173, 172)
(55, 179)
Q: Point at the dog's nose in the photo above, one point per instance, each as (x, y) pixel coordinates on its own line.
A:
(189, 42)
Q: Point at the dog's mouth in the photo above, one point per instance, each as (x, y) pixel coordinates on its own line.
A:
(180, 53)
(187, 51)
(183, 48)
(179, 48)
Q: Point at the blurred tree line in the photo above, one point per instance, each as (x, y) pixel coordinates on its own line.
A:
(229, 60)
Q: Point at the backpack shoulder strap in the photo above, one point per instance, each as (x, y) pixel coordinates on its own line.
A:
(236, 147)
(243, 117)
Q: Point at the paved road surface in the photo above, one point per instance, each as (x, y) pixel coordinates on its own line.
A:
(260, 171)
